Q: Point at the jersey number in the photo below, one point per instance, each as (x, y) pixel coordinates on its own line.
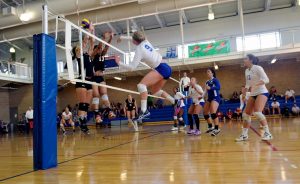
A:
(148, 48)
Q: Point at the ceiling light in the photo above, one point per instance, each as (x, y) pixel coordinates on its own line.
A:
(216, 66)
(273, 60)
(211, 15)
(26, 16)
(12, 50)
(118, 78)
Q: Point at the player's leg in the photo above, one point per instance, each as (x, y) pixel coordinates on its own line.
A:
(214, 105)
(196, 112)
(190, 119)
(259, 105)
(247, 119)
(62, 126)
(206, 114)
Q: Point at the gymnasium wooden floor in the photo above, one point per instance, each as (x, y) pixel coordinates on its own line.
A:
(157, 155)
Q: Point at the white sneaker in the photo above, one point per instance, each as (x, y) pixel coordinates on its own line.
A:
(267, 137)
(174, 128)
(242, 138)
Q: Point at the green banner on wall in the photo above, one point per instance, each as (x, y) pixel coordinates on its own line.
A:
(200, 50)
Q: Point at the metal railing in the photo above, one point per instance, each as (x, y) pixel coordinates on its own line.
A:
(15, 70)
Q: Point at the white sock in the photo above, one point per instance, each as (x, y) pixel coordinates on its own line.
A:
(266, 129)
(143, 105)
(245, 131)
(171, 99)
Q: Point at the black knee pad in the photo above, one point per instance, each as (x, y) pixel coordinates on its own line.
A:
(213, 116)
(206, 117)
(83, 107)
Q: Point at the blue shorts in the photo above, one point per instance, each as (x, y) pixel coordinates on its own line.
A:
(217, 99)
(164, 70)
(265, 94)
(202, 104)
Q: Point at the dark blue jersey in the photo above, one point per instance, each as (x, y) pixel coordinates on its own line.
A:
(214, 92)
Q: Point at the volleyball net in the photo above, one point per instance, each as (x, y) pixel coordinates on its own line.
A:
(73, 36)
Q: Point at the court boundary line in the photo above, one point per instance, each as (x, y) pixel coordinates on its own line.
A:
(86, 155)
(267, 142)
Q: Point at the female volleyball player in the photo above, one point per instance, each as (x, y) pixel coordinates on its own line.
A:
(195, 93)
(84, 91)
(256, 80)
(156, 78)
(212, 87)
(178, 108)
(66, 118)
(99, 91)
(131, 110)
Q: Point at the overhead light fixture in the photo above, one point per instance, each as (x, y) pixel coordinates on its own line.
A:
(273, 60)
(118, 78)
(211, 15)
(12, 50)
(216, 66)
(26, 16)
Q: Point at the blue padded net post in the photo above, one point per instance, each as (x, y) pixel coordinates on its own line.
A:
(45, 93)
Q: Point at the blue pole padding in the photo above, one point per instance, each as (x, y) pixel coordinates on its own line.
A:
(45, 93)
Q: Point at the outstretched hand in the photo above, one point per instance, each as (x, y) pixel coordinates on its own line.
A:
(118, 60)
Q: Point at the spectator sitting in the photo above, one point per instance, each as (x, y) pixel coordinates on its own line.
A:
(285, 111)
(290, 95)
(295, 110)
(159, 103)
(220, 115)
(238, 114)
(229, 114)
(273, 93)
(235, 97)
(266, 110)
(275, 106)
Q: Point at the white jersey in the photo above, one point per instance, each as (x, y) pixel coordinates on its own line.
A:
(66, 116)
(194, 94)
(253, 76)
(179, 97)
(144, 53)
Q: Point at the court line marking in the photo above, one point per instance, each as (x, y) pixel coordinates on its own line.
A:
(267, 142)
(99, 151)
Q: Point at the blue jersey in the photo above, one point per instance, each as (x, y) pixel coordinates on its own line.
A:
(214, 92)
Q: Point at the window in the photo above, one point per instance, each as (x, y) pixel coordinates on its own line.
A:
(259, 41)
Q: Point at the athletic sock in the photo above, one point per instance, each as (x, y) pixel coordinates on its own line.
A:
(266, 129)
(143, 105)
(209, 126)
(245, 131)
(191, 123)
(217, 127)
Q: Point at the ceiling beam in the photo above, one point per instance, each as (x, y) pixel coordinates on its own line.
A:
(158, 19)
(267, 5)
(4, 2)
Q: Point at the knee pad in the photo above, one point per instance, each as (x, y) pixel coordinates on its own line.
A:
(206, 117)
(180, 119)
(72, 123)
(260, 116)
(246, 117)
(142, 88)
(104, 97)
(95, 101)
(213, 116)
(158, 93)
(175, 117)
(61, 125)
